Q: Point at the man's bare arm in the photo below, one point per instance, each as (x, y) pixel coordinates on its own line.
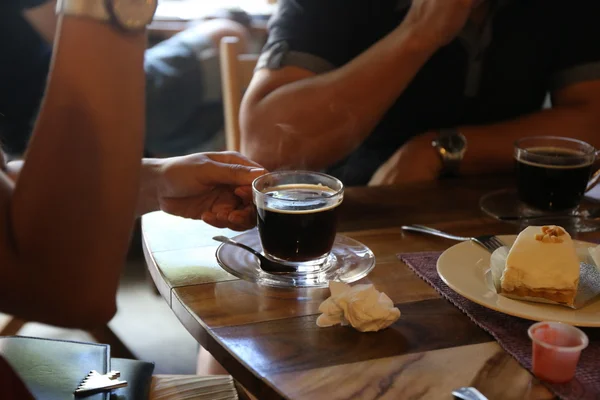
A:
(291, 117)
(67, 222)
(490, 148)
(575, 113)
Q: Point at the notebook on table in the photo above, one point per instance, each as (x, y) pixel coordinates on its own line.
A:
(53, 369)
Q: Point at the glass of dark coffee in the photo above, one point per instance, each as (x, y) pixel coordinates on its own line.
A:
(552, 172)
(297, 216)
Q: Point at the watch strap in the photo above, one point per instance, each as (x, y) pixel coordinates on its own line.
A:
(450, 168)
(94, 9)
(450, 162)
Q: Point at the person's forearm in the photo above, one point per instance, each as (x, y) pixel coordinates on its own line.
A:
(490, 148)
(313, 122)
(73, 206)
(147, 197)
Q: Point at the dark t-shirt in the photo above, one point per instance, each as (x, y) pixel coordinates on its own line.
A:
(525, 49)
(24, 62)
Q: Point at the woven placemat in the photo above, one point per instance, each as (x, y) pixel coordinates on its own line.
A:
(511, 332)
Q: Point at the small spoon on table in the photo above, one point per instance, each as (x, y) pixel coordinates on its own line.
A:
(264, 263)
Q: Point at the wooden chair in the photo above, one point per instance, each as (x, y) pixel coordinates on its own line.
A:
(236, 72)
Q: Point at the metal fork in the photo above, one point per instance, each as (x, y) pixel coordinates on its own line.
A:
(488, 242)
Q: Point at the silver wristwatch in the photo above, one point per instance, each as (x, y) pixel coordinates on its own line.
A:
(127, 15)
(451, 146)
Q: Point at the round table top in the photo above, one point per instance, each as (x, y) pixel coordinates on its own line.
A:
(268, 340)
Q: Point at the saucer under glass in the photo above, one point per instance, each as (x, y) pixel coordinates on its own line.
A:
(504, 205)
(348, 261)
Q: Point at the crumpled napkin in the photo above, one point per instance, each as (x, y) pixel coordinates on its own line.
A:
(361, 306)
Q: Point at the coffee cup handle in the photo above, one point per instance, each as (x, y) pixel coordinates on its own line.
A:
(595, 176)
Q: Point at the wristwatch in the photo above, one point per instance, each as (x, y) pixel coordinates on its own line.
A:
(126, 15)
(451, 146)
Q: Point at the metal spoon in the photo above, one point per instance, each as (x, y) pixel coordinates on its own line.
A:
(264, 263)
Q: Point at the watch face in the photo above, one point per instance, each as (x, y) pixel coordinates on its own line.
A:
(453, 143)
(132, 15)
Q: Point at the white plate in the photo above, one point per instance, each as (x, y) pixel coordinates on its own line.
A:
(463, 268)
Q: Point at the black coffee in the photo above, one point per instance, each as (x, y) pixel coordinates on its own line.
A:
(300, 230)
(552, 179)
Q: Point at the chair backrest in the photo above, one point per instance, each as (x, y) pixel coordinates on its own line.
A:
(236, 73)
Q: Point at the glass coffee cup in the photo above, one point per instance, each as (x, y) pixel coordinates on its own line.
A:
(553, 172)
(297, 216)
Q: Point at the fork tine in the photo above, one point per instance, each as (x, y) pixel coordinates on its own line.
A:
(489, 246)
(497, 242)
(480, 242)
(490, 243)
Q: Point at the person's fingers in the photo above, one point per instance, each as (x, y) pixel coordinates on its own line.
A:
(241, 222)
(218, 173)
(192, 207)
(200, 204)
(239, 217)
(223, 216)
(222, 208)
(244, 193)
(212, 219)
(245, 214)
(239, 228)
(237, 220)
(232, 157)
(226, 201)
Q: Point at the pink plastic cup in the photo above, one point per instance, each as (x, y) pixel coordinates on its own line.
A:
(556, 350)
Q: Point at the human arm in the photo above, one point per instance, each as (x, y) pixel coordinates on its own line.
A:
(67, 221)
(490, 147)
(574, 113)
(293, 117)
(568, 66)
(214, 187)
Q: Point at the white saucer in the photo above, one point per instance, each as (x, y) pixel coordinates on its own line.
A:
(464, 267)
(348, 261)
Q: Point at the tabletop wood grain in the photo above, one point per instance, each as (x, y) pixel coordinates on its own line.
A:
(268, 340)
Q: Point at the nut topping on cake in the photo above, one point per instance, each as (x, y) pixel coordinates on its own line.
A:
(550, 234)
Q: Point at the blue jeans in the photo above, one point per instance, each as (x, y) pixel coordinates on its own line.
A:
(184, 111)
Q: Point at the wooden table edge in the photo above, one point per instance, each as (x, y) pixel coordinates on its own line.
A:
(238, 369)
(157, 276)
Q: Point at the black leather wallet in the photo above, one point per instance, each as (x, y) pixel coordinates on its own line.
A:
(52, 369)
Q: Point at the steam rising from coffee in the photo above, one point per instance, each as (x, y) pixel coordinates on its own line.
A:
(307, 149)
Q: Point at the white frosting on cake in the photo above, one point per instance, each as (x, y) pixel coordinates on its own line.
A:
(541, 264)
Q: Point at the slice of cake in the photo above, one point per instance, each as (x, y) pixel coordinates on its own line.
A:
(542, 264)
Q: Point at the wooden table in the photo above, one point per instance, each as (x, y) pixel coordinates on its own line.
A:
(268, 340)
